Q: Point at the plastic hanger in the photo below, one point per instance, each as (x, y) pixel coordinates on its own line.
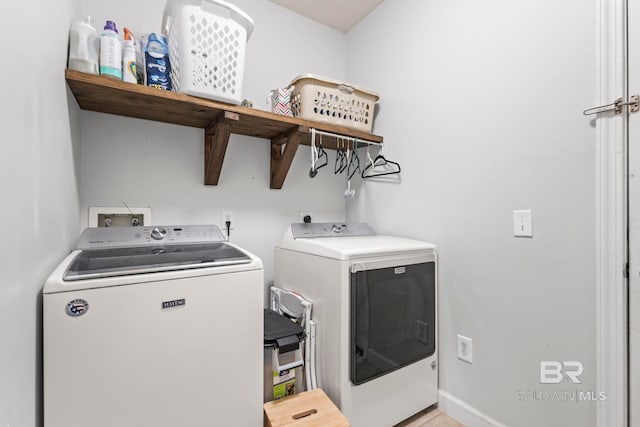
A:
(389, 167)
(319, 157)
(340, 163)
(312, 170)
(354, 162)
(322, 157)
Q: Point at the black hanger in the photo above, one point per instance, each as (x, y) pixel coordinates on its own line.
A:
(341, 160)
(322, 154)
(354, 160)
(380, 160)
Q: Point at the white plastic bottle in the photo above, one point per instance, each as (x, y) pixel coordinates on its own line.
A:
(110, 52)
(129, 73)
(83, 46)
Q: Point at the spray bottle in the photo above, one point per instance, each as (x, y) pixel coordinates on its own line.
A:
(129, 73)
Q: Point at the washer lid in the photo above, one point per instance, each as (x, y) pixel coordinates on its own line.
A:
(123, 261)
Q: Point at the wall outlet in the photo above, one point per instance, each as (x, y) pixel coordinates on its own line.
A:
(465, 348)
(119, 216)
(304, 214)
(226, 216)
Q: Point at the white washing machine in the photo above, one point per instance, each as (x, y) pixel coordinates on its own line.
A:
(374, 304)
(154, 327)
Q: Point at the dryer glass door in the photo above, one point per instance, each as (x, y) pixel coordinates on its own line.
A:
(393, 316)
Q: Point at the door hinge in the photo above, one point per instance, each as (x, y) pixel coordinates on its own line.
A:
(617, 106)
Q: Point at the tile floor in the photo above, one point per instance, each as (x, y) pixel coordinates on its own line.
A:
(430, 417)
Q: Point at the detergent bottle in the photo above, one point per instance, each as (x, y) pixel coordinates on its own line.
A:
(157, 67)
(83, 47)
(129, 72)
(110, 52)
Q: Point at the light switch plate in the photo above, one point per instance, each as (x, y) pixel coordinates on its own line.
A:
(465, 348)
(522, 225)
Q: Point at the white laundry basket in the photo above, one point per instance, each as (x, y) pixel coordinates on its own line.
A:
(207, 44)
(325, 100)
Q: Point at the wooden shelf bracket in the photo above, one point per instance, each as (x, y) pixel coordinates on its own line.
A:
(281, 158)
(216, 139)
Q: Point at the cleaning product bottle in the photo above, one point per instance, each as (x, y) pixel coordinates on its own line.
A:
(110, 53)
(157, 67)
(129, 73)
(83, 47)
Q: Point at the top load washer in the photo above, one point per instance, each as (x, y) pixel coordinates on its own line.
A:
(374, 303)
(153, 326)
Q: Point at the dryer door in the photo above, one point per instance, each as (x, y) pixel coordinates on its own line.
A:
(393, 315)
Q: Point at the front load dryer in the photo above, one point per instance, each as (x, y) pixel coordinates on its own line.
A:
(374, 305)
(154, 327)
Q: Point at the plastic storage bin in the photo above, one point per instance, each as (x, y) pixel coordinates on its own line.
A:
(329, 101)
(282, 356)
(207, 44)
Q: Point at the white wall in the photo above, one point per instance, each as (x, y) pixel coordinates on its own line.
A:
(39, 188)
(161, 166)
(481, 105)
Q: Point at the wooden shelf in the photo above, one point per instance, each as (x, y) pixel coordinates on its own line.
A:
(219, 120)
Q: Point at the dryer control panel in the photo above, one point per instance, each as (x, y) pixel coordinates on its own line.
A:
(330, 229)
(113, 237)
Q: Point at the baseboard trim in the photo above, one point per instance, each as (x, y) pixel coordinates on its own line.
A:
(463, 412)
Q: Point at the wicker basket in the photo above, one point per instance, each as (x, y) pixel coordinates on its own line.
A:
(329, 101)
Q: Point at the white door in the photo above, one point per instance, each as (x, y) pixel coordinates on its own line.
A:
(633, 136)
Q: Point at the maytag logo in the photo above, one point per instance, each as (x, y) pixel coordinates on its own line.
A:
(399, 270)
(77, 307)
(173, 303)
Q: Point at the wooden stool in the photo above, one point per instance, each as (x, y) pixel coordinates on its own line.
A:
(309, 409)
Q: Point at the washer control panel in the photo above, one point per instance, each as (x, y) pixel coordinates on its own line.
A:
(111, 237)
(330, 229)
(158, 233)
